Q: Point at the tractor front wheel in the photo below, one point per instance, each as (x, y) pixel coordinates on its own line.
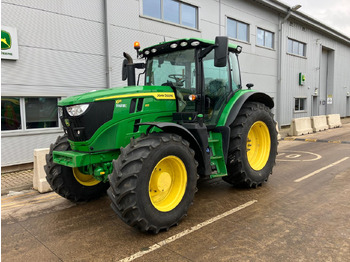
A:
(72, 183)
(253, 146)
(153, 182)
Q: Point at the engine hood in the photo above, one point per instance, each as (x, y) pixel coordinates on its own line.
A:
(158, 92)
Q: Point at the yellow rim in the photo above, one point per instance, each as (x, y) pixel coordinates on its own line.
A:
(258, 145)
(167, 184)
(84, 179)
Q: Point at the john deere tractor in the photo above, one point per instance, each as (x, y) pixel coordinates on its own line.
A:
(148, 145)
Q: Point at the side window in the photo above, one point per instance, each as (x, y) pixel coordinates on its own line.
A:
(235, 75)
(237, 30)
(22, 114)
(216, 88)
(10, 113)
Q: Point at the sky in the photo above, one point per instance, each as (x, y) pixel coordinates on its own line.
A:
(333, 13)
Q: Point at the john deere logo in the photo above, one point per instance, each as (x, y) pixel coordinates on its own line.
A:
(66, 121)
(5, 40)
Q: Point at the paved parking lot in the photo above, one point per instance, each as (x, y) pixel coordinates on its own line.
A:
(301, 214)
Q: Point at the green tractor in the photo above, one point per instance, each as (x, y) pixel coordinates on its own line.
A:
(148, 145)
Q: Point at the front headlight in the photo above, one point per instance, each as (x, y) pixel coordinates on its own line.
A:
(77, 110)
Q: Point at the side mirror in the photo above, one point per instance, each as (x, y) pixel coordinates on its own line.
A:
(124, 70)
(220, 51)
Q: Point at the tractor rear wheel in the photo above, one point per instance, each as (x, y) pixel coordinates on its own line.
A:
(253, 146)
(71, 183)
(153, 182)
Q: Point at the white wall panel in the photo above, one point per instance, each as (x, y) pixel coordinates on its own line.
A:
(52, 71)
(20, 149)
(86, 9)
(46, 30)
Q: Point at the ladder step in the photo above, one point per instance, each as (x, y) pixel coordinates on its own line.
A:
(213, 140)
(217, 175)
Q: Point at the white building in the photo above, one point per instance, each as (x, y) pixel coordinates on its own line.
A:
(71, 47)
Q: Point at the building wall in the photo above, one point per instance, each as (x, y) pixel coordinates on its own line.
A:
(315, 89)
(62, 52)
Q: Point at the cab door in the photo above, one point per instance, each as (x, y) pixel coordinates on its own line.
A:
(217, 89)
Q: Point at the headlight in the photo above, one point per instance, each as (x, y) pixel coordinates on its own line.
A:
(77, 110)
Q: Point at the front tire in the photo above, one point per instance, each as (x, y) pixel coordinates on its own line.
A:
(71, 183)
(153, 182)
(253, 146)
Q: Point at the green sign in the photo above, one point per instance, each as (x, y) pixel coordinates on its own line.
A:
(5, 40)
(9, 43)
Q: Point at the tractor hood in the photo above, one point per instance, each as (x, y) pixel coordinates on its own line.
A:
(158, 92)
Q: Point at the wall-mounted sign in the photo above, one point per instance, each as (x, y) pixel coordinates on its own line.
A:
(301, 79)
(9, 43)
(329, 99)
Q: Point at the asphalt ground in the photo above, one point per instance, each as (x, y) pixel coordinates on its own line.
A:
(301, 214)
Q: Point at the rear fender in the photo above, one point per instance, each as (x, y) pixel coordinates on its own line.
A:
(250, 96)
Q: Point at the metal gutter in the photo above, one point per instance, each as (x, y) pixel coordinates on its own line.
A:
(307, 20)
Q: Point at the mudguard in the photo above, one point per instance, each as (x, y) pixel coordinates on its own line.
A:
(248, 96)
(195, 144)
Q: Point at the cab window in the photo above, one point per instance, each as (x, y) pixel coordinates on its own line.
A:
(216, 88)
(235, 75)
(176, 69)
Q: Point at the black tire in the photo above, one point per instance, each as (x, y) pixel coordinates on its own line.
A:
(130, 183)
(63, 181)
(239, 166)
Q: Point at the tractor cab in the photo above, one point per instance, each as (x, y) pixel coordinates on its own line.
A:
(203, 74)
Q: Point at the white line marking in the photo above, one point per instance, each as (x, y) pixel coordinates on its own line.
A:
(321, 169)
(186, 232)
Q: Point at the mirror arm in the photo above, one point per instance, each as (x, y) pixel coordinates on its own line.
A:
(206, 51)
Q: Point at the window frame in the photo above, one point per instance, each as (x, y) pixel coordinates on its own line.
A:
(264, 40)
(304, 103)
(292, 41)
(237, 23)
(161, 19)
(24, 130)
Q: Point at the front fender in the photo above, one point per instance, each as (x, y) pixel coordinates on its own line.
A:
(174, 128)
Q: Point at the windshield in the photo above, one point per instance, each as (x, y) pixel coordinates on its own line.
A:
(176, 69)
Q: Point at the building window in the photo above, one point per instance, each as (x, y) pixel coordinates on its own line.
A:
(296, 47)
(264, 38)
(171, 11)
(10, 113)
(237, 30)
(28, 113)
(300, 104)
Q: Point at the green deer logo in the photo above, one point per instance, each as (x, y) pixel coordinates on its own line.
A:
(5, 40)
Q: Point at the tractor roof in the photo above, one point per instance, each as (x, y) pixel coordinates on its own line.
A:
(181, 44)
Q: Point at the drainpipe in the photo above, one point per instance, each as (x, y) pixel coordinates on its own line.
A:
(219, 17)
(107, 46)
(279, 66)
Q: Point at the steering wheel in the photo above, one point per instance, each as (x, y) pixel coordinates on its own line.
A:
(178, 78)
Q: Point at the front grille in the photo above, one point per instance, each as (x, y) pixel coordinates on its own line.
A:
(82, 128)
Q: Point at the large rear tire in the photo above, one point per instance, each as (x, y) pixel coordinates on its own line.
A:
(71, 183)
(153, 182)
(253, 146)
